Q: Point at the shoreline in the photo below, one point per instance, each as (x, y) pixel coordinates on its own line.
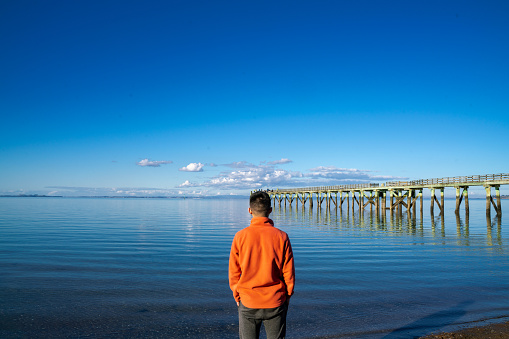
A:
(490, 331)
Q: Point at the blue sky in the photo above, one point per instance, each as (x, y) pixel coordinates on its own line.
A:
(222, 97)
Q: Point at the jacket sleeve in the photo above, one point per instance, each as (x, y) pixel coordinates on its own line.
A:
(289, 268)
(234, 270)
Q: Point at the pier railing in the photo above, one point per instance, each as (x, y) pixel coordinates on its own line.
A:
(473, 179)
(327, 188)
(452, 180)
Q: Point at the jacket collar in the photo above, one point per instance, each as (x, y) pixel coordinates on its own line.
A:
(262, 221)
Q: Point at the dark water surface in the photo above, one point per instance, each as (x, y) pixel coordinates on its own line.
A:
(149, 268)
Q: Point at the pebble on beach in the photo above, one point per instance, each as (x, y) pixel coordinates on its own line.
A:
(493, 331)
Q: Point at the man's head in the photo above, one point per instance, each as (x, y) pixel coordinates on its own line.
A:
(259, 204)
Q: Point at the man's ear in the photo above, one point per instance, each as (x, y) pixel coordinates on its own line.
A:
(270, 211)
(249, 209)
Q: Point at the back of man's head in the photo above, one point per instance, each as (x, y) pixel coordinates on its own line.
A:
(259, 202)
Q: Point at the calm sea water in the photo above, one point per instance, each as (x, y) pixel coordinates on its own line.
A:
(148, 268)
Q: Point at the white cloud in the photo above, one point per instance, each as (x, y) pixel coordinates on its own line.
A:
(146, 162)
(186, 184)
(193, 167)
(248, 176)
(280, 162)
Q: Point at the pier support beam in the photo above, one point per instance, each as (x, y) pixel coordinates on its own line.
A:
(279, 199)
(489, 200)
(432, 204)
(289, 198)
(414, 196)
(302, 198)
(497, 193)
(434, 199)
(442, 200)
(414, 200)
(357, 200)
(373, 200)
(391, 205)
(459, 198)
(409, 200)
(467, 207)
(319, 199)
(400, 202)
(420, 198)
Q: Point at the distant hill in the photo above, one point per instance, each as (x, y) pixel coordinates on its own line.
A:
(30, 196)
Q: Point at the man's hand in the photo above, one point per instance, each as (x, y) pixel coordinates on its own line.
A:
(238, 304)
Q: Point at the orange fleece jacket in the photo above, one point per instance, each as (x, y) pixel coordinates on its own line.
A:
(261, 271)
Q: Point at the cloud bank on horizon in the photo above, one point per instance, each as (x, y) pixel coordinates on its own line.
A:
(267, 175)
(239, 177)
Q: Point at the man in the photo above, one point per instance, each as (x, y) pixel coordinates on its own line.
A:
(261, 273)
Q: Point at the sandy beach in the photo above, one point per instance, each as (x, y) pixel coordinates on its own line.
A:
(492, 331)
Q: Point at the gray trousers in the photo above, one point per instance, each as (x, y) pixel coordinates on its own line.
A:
(273, 319)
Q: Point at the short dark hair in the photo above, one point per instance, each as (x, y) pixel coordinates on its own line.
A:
(259, 202)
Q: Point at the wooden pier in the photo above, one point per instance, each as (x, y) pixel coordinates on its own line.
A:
(398, 194)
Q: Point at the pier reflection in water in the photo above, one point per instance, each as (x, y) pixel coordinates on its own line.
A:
(410, 223)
